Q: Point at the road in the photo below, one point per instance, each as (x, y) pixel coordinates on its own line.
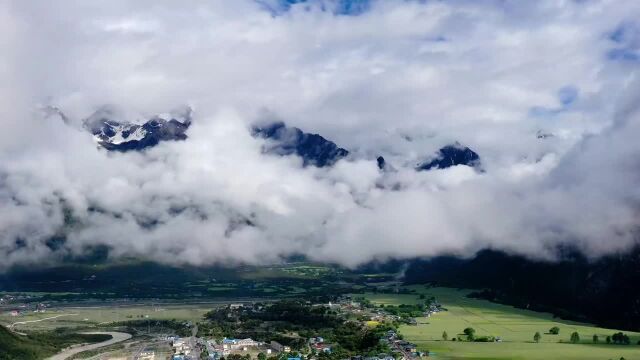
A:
(116, 338)
(193, 340)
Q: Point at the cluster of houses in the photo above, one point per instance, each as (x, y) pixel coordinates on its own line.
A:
(183, 351)
(227, 345)
(379, 357)
(399, 347)
(434, 307)
(24, 309)
(317, 343)
(407, 349)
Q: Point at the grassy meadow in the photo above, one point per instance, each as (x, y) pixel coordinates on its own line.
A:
(515, 327)
(91, 316)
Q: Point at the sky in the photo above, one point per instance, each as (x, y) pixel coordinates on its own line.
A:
(394, 78)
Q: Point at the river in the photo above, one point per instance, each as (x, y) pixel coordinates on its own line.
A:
(116, 338)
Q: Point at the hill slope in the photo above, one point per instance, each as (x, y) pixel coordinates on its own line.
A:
(41, 345)
(15, 347)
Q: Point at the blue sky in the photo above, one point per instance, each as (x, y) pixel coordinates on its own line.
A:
(338, 7)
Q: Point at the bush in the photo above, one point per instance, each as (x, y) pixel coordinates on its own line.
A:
(470, 332)
(484, 339)
(554, 330)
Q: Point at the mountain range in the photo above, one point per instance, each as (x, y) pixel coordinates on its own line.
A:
(116, 135)
(318, 151)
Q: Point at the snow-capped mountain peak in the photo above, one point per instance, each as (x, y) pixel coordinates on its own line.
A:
(119, 135)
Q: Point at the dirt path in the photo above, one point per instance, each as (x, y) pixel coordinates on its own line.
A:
(11, 327)
(116, 338)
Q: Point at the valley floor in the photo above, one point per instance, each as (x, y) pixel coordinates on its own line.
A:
(515, 327)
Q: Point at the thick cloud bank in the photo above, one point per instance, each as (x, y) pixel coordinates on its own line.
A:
(546, 92)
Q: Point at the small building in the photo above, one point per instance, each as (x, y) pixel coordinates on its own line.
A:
(246, 342)
(228, 344)
(235, 344)
(279, 347)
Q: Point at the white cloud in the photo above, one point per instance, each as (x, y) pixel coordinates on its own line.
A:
(401, 80)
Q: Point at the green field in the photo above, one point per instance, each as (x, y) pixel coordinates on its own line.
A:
(516, 328)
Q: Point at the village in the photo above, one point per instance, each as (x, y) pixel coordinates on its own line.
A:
(356, 310)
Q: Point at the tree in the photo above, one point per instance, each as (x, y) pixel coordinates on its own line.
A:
(554, 330)
(537, 337)
(595, 338)
(470, 332)
(620, 338)
(445, 336)
(575, 337)
(616, 337)
(608, 339)
(262, 356)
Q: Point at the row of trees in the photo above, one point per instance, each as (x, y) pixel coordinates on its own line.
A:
(617, 338)
(470, 334)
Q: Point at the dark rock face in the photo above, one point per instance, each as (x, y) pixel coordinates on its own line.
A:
(312, 148)
(123, 136)
(451, 155)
